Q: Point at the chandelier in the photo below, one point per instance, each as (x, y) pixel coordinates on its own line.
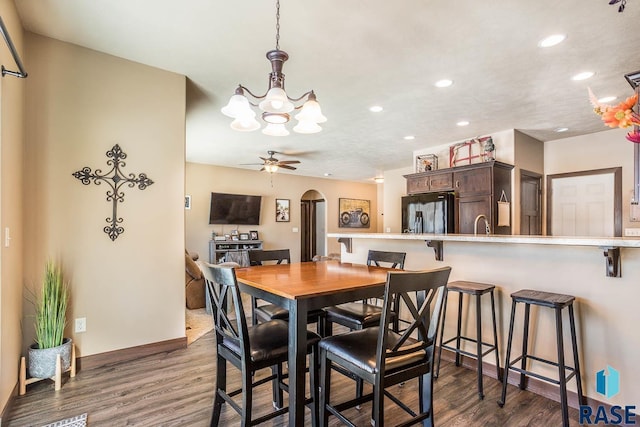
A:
(275, 105)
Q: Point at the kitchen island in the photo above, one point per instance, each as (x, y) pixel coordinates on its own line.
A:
(602, 273)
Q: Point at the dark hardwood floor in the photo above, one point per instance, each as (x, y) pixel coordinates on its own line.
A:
(176, 389)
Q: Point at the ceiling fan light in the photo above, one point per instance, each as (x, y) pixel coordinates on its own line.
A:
(276, 101)
(245, 124)
(311, 111)
(307, 126)
(276, 118)
(271, 168)
(275, 130)
(238, 106)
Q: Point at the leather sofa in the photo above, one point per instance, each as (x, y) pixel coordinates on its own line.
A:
(194, 282)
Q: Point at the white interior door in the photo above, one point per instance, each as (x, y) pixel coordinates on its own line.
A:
(583, 205)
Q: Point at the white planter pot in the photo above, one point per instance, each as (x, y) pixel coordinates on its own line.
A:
(42, 362)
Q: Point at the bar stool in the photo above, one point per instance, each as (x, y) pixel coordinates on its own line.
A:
(557, 302)
(477, 290)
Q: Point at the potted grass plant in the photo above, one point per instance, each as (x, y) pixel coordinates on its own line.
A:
(50, 321)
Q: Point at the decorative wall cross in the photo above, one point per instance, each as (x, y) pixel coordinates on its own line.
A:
(116, 179)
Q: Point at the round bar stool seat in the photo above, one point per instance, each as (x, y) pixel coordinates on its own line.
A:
(557, 302)
(477, 290)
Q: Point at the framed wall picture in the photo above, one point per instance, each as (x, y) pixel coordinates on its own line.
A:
(244, 236)
(354, 213)
(253, 235)
(282, 210)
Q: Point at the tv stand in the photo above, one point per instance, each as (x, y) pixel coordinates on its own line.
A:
(232, 250)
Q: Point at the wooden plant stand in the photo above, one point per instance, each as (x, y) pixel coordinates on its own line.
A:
(57, 378)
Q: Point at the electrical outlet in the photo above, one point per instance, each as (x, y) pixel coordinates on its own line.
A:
(81, 324)
(632, 232)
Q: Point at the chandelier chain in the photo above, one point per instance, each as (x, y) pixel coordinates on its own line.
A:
(277, 24)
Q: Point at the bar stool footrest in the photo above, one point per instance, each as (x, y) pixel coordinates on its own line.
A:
(540, 376)
(490, 347)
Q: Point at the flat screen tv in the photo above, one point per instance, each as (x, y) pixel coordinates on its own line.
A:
(236, 209)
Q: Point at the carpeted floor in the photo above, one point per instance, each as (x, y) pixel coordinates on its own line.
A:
(198, 323)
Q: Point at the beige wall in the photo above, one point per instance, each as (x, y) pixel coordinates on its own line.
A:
(202, 179)
(529, 156)
(79, 104)
(395, 186)
(606, 308)
(11, 186)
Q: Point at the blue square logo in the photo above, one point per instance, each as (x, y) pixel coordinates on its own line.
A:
(608, 382)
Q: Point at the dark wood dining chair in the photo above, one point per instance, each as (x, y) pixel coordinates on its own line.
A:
(261, 311)
(364, 314)
(250, 349)
(383, 357)
(360, 315)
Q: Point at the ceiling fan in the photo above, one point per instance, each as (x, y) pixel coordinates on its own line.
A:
(271, 164)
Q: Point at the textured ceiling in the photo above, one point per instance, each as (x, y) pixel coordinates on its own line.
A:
(358, 53)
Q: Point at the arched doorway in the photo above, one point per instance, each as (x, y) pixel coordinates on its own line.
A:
(313, 223)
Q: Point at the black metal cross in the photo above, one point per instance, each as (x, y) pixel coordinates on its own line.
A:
(115, 181)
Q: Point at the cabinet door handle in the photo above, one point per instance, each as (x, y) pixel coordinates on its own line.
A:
(457, 184)
(430, 183)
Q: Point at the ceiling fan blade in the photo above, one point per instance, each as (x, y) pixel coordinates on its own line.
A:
(250, 164)
(261, 170)
(263, 159)
(288, 162)
(287, 167)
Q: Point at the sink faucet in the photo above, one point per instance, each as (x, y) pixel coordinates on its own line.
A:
(486, 225)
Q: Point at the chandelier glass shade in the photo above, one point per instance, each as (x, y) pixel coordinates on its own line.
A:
(275, 105)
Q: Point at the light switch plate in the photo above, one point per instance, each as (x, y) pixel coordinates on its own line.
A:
(634, 213)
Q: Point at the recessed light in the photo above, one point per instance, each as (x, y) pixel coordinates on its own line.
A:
(583, 76)
(444, 83)
(562, 129)
(409, 137)
(462, 123)
(552, 40)
(375, 109)
(607, 99)
(379, 179)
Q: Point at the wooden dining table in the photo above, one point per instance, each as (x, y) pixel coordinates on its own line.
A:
(301, 287)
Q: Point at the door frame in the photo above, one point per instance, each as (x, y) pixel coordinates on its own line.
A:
(308, 221)
(617, 195)
(531, 175)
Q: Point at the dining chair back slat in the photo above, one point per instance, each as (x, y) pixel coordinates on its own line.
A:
(380, 258)
(384, 357)
(249, 349)
(257, 257)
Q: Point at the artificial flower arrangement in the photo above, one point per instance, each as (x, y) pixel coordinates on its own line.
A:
(619, 116)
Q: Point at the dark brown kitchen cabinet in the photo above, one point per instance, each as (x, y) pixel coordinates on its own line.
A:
(477, 190)
(468, 209)
(427, 182)
(473, 182)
